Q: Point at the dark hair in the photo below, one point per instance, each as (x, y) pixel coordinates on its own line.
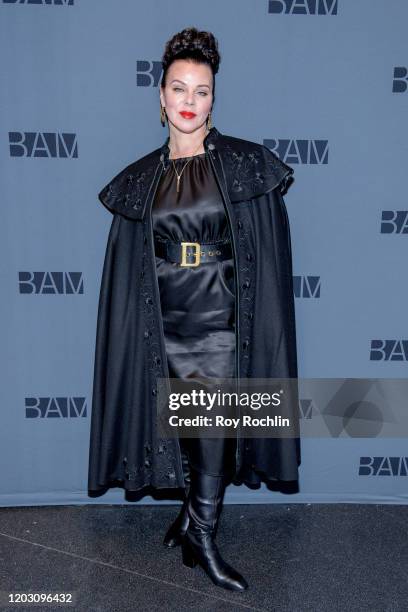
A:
(191, 44)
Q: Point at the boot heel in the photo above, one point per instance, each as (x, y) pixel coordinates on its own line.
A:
(189, 559)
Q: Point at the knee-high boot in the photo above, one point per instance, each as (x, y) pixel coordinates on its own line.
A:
(198, 544)
(178, 528)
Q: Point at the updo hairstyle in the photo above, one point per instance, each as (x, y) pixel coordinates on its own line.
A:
(192, 44)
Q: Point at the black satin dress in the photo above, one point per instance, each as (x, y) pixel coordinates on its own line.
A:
(197, 303)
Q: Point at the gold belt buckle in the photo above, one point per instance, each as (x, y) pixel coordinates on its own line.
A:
(196, 254)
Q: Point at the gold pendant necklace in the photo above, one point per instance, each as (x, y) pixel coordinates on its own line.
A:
(189, 160)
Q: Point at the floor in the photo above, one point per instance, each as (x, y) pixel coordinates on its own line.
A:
(295, 557)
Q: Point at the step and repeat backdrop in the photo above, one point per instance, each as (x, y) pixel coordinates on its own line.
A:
(324, 84)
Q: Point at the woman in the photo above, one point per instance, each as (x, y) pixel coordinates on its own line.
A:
(197, 283)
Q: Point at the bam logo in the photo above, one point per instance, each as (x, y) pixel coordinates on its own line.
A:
(148, 73)
(383, 466)
(61, 283)
(55, 407)
(400, 80)
(303, 7)
(54, 2)
(306, 286)
(42, 144)
(389, 350)
(394, 222)
(299, 151)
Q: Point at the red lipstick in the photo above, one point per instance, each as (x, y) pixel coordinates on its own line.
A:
(187, 114)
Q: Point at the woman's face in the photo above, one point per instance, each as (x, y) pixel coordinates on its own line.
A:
(188, 90)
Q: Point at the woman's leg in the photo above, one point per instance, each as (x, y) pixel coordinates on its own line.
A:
(212, 464)
(179, 526)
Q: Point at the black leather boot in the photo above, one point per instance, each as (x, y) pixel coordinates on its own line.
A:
(178, 528)
(198, 545)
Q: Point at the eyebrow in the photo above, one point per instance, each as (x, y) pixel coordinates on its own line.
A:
(202, 85)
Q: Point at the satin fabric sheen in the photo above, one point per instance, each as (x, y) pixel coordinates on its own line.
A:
(197, 303)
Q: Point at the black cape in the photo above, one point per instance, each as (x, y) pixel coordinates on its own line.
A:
(125, 449)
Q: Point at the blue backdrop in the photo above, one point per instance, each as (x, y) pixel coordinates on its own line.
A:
(323, 83)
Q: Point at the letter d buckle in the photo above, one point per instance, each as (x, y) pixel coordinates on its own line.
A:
(196, 254)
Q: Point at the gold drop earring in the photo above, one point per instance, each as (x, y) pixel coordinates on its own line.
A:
(162, 115)
(209, 122)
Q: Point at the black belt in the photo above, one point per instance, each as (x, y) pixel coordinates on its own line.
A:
(191, 254)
